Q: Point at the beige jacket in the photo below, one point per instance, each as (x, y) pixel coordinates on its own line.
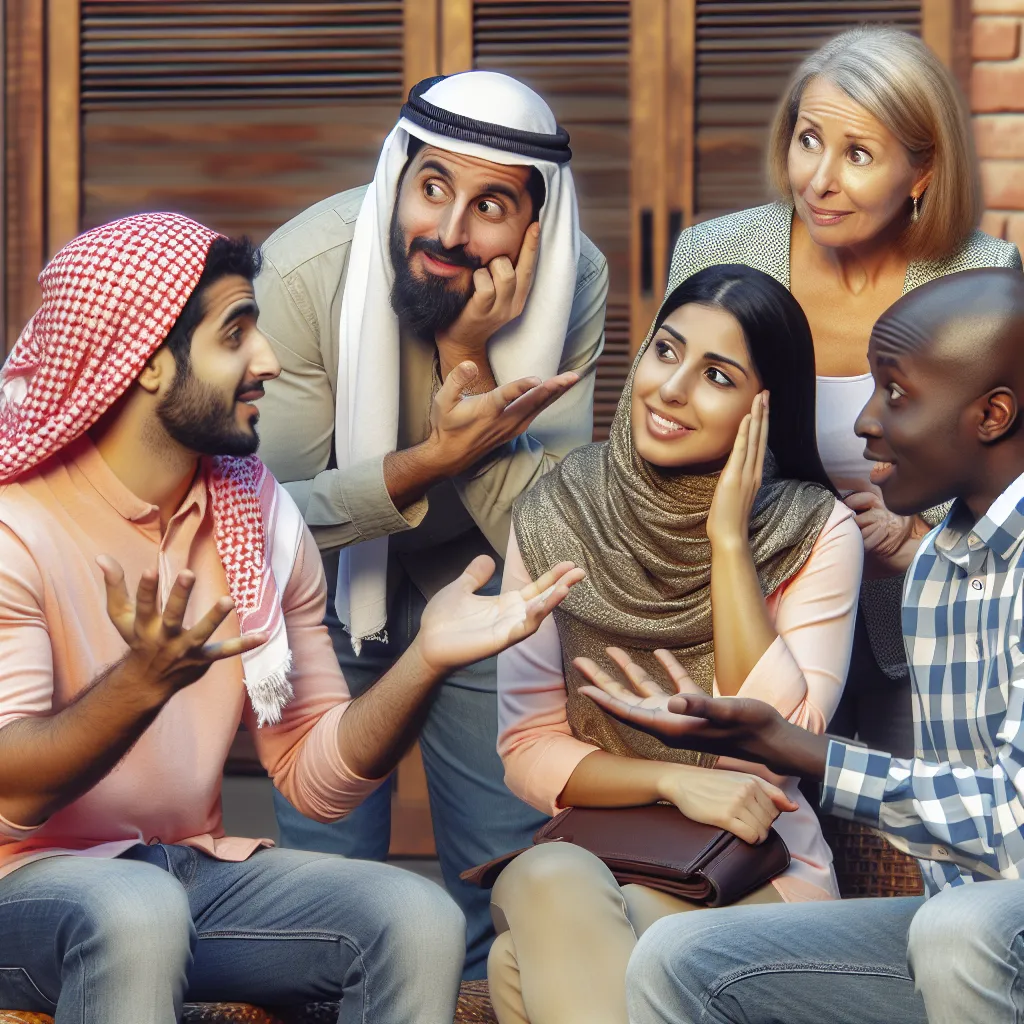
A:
(299, 292)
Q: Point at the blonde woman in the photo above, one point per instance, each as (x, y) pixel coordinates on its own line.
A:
(871, 154)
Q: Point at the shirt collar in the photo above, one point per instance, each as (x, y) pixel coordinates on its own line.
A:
(87, 459)
(1000, 530)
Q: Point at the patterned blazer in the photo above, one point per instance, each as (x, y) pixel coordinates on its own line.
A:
(759, 238)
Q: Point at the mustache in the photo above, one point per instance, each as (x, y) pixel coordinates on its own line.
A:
(255, 386)
(457, 255)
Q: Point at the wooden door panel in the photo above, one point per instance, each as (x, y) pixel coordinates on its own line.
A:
(744, 54)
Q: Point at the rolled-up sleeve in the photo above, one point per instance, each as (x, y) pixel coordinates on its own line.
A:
(491, 488)
(26, 654)
(297, 415)
(803, 672)
(301, 753)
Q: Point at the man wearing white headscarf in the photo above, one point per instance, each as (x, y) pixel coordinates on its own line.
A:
(423, 323)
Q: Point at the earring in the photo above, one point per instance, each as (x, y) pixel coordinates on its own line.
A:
(916, 213)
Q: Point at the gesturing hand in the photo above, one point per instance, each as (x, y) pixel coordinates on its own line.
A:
(729, 516)
(890, 540)
(499, 296)
(465, 429)
(161, 651)
(458, 626)
(731, 726)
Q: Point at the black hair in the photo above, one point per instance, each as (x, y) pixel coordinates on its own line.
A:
(535, 186)
(779, 341)
(226, 257)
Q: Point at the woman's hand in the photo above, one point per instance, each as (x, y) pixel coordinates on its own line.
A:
(729, 518)
(740, 803)
(890, 541)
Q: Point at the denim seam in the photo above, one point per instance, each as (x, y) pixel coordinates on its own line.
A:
(28, 974)
(273, 935)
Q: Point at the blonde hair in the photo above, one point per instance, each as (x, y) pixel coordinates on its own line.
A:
(899, 81)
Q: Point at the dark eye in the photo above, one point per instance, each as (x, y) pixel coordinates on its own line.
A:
(490, 209)
(664, 351)
(894, 392)
(860, 157)
(809, 141)
(432, 190)
(715, 375)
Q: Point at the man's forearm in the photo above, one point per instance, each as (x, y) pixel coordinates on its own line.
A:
(449, 357)
(410, 473)
(381, 724)
(48, 762)
(793, 751)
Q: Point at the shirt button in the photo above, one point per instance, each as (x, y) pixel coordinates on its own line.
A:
(977, 584)
(941, 851)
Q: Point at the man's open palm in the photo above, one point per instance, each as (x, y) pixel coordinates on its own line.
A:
(459, 626)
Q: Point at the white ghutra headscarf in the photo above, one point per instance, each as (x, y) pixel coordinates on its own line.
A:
(495, 118)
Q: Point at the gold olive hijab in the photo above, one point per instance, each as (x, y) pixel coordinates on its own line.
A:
(640, 534)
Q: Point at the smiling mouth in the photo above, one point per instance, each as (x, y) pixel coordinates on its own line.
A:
(662, 426)
(881, 471)
(826, 216)
(441, 267)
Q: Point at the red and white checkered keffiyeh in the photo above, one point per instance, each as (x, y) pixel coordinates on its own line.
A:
(110, 298)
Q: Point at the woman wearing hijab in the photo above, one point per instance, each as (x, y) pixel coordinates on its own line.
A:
(871, 155)
(697, 501)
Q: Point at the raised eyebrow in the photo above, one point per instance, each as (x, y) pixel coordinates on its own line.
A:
(847, 135)
(437, 167)
(247, 307)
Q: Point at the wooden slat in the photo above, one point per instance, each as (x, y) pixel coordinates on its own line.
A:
(63, 128)
(680, 115)
(745, 53)
(422, 57)
(141, 54)
(576, 55)
(25, 114)
(456, 36)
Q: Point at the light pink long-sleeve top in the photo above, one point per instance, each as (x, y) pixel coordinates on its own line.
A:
(802, 675)
(56, 638)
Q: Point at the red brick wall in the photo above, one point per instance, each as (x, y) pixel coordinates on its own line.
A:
(997, 100)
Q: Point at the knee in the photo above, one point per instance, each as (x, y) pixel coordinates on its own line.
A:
(668, 972)
(420, 913)
(946, 933)
(547, 874)
(139, 919)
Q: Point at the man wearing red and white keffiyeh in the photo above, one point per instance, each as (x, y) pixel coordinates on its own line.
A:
(157, 588)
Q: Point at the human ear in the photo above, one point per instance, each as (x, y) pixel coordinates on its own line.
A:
(998, 414)
(922, 182)
(158, 372)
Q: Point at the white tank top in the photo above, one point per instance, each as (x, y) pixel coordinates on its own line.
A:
(839, 402)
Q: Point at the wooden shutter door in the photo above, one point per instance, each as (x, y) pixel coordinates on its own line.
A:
(577, 55)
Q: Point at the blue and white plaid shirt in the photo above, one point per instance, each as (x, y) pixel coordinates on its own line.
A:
(957, 806)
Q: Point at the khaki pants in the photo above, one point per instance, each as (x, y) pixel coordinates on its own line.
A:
(565, 933)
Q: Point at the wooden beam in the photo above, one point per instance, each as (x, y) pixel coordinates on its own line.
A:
(680, 120)
(456, 36)
(421, 45)
(24, 160)
(946, 28)
(63, 123)
(648, 228)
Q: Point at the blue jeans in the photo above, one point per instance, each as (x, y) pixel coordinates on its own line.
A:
(125, 941)
(953, 959)
(476, 818)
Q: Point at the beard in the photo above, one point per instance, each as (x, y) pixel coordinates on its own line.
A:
(193, 414)
(429, 304)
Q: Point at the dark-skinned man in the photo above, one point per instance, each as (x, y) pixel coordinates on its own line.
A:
(944, 422)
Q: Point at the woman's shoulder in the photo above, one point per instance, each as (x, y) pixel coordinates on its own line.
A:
(977, 251)
(757, 237)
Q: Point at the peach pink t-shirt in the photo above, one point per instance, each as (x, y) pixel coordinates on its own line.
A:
(56, 638)
(801, 674)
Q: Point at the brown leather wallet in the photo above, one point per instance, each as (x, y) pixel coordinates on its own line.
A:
(658, 847)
